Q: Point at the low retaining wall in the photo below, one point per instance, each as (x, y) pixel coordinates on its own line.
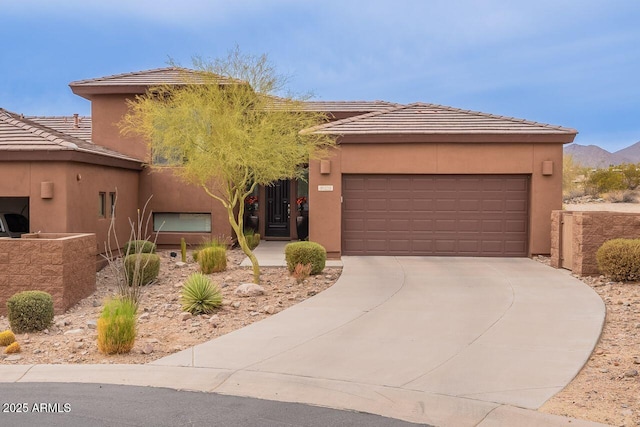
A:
(590, 230)
(63, 265)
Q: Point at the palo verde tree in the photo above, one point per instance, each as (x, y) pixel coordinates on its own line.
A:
(225, 130)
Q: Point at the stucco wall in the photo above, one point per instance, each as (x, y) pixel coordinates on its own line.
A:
(437, 158)
(590, 231)
(73, 207)
(60, 264)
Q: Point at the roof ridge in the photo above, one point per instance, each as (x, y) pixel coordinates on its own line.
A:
(129, 74)
(496, 116)
(42, 131)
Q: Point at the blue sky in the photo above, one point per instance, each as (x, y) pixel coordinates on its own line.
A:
(574, 63)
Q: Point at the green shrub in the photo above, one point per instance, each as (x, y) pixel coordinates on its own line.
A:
(141, 269)
(117, 326)
(139, 247)
(200, 295)
(217, 242)
(619, 259)
(212, 260)
(30, 311)
(305, 253)
(253, 238)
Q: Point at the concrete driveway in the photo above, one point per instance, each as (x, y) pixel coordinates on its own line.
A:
(445, 341)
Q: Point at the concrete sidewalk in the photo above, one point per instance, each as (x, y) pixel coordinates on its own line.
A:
(444, 341)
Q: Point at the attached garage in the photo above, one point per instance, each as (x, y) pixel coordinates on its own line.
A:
(464, 215)
(424, 179)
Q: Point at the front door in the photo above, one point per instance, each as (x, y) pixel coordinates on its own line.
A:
(278, 209)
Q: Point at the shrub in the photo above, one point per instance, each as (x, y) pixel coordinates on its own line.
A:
(200, 295)
(141, 269)
(117, 326)
(218, 242)
(212, 260)
(253, 238)
(301, 272)
(12, 348)
(30, 311)
(139, 247)
(619, 259)
(7, 338)
(306, 253)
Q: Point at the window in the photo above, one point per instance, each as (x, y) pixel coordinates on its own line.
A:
(112, 201)
(102, 204)
(182, 222)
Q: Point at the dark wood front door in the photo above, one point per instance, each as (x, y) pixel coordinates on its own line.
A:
(278, 209)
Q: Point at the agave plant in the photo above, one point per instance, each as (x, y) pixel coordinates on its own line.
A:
(200, 295)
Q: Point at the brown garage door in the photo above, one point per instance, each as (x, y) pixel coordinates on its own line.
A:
(465, 215)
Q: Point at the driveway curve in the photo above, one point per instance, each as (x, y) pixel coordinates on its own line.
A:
(417, 338)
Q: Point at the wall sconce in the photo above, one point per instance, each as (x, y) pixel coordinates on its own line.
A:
(46, 190)
(325, 167)
(547, 168)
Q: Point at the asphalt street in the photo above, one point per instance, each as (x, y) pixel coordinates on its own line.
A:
(71, 405)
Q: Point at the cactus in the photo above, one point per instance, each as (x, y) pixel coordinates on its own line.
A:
(13, 348)
(183, 249)
(7, 337)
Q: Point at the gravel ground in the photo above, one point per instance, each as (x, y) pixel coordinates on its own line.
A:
(163, 328)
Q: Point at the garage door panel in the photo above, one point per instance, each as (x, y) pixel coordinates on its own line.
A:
(472, 215)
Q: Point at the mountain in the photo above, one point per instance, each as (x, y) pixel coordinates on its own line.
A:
(632, 152)
(595, 157)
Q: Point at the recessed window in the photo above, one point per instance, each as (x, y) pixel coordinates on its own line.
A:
(112, 203)
(102, 204)
(182, 222)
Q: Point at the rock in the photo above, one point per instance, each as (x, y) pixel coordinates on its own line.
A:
(226, 302)
(626, 412)
(214, 321)
(62, 322)
(92, 324)
(185, 315)
(78, 345)
(269, 309)
(254, 313)
(636, 360)
(604, 370)
(631, 373)
(249, 290)
(153, 340)
(144, 316)
(96, 303)
(13, 358)
(74, 331)
(180, 264)
(236, 304)
(147, 349)
(37, 351)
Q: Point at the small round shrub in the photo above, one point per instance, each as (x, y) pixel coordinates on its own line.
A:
(139, 247)
(200, 295)
(212, 260)
(305, 253)
(116, 326)
(141, 269)
(12, 348)
(7, 338)
(30, 311)
(619, 259)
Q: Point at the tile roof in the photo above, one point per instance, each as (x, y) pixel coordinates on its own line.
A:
(76, 126)
(20, 134)
(422, 118)
(139, 82)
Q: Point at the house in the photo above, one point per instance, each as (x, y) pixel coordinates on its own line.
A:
(416, 179)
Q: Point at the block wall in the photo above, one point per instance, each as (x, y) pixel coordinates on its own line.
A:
(63, 265)
(590, 231)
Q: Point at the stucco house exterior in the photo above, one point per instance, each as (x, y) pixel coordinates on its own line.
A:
(418, 179)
